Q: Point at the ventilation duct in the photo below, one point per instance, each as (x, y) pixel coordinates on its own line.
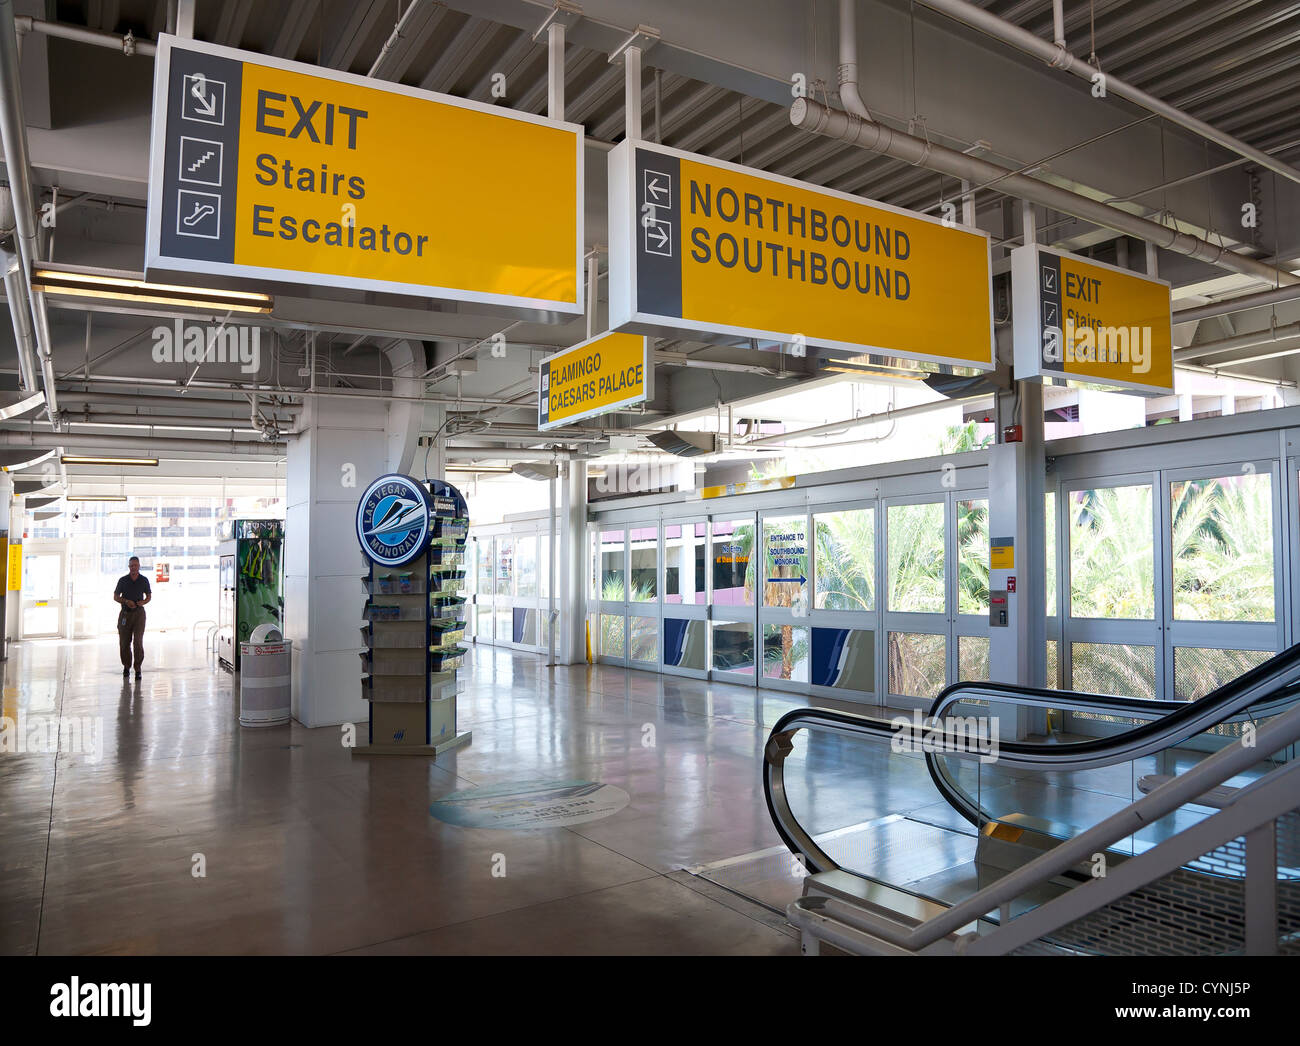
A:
(686, 444)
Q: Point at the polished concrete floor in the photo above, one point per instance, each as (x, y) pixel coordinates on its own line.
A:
(308, 850)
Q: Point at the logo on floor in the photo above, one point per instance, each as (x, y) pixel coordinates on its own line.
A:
(531, 804)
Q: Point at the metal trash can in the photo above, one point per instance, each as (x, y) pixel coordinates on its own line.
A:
(265, 680)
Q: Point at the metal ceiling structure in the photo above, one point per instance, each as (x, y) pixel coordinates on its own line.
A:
(718, 82)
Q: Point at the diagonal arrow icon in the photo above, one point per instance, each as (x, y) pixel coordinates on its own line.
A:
(207, 105)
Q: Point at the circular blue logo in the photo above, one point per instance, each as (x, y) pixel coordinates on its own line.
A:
(393, 520)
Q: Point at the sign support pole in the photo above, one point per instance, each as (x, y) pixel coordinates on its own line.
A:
(555, 70)
(632, 92)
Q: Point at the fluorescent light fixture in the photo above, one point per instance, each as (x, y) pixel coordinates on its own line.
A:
(88, 459)
(95, 497)
(503, 469)
(93, 285)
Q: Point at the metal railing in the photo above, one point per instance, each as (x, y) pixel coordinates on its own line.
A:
(1252, 814)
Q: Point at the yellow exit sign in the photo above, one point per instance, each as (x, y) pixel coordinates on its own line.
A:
(275, 171)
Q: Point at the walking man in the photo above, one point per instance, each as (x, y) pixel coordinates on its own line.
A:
(132, 593)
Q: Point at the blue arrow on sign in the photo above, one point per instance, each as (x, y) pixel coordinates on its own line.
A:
(777, 580)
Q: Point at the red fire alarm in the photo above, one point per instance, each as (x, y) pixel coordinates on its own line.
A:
(1013, 434)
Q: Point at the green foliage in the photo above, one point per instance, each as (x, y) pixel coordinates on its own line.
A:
(846, 559)
(958, 439)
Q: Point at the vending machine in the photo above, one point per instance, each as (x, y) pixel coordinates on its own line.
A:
(251, 582)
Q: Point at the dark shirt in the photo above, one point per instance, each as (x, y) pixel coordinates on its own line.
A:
(133, 590)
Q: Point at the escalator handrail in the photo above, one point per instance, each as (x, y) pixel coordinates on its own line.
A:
(1275, 682)
(1151, 736)
(1276, 667)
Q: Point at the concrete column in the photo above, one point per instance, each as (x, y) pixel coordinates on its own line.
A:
(10, 599)
(1017, 652)
(572, 647)
(342, 445)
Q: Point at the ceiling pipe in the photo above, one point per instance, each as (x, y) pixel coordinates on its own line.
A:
(499, 453)
(811, 115)
(1247, 301)
(126, 43)
(21, 317)
(1239, 341)
(866, 419)
(18, 168)
(152, 446)
(1056, 55)
(128, 399)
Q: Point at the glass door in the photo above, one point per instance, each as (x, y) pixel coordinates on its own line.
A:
(783, 634)
(917, 603)
(609, 594)
(844, 632)
(685, 647)
(733, 613)
(484, 583)
(643, 595)
(44, 596)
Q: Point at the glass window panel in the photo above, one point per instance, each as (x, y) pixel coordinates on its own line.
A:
(685, 561)
(1114, 668)
(644, 638)
(733, 647)
(526, 565)
(1049, 517)
(611, 635)
(504, 625)
(785, 653)
(1222, 548)
(643, 566)
(612, 561)
(505, 566)
(486, 568)
(1112, 562)
(846, 559)
(544, 565)
(1053, 664)
(916, 567)
(483, 626)
(973, 557)
(1198, 670)
(917, 663)
(785, 561)
(733, 575)
(843, 658)
(973, 659)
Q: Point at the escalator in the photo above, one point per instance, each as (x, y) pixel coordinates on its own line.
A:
(847, 792)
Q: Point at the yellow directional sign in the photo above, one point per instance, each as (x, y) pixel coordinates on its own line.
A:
(15, 564)
(712, 249)
(594, 377)
(277, 171)
(1087, 321)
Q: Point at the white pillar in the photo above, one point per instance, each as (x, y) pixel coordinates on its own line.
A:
(572, 649)
(342, 446)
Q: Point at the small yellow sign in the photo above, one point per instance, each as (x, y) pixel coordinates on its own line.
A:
(594, 377)
(15, 566)
(750, 487)
(1087, 321)
(1002, 554)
